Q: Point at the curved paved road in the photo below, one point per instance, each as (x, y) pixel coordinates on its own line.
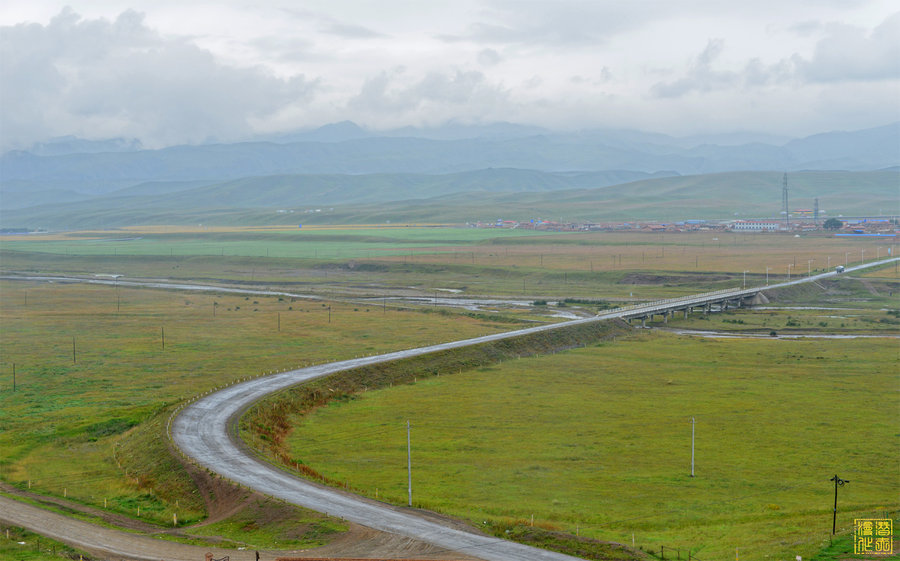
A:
(202, 430)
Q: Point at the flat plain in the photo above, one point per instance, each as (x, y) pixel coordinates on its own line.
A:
(84, 427)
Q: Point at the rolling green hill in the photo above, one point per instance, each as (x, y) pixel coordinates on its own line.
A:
(484, 195)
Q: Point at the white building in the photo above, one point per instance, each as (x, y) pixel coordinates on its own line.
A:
(756, 226)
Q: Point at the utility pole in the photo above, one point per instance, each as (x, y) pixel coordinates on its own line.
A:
(409, 464)
(837, 481)
(162, 337)
(14, 376)
(73, 351)
(692, 446)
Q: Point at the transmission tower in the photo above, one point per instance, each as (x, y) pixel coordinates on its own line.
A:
(784, 203)
(816, 212)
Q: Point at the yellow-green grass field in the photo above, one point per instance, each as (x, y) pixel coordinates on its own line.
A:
(598, 441)
(619, 265)
(90, 428)
(22, 545)
(60, 428)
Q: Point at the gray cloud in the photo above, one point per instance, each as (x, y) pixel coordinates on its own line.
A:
(559, 23)
(330, 25)
(387, 96)
(700, 77)
(806, 28)
(350, 31)
(848, 53)
(101, 78)
(489, 57)
(845, 54)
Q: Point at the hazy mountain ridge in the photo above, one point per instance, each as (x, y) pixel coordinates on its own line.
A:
(509, 147)
(517, 194)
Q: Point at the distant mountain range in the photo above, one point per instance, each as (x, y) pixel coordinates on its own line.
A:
(65, 180)
(344, 148)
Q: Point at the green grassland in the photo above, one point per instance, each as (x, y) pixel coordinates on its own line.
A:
(476, 262)
(23, 545)
(707, 196)
(91, 427)
(847, 305)
(598, 439)
(489, 195)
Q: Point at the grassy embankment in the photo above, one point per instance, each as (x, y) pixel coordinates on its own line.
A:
(91, 428)
(596, 441)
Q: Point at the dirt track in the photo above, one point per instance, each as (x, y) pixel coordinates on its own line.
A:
(118, 545)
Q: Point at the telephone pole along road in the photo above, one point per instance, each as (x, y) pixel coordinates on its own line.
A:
(205, 431)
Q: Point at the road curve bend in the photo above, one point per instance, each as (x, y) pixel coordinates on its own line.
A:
(201, 430)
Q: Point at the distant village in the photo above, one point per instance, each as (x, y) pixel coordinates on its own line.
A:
(801, 222)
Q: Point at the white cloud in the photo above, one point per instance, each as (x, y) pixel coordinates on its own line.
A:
(101, 78)
(700, 77)
(845, 54)
(393, 97)
(192, 72)
(850, 53)
(489, 57)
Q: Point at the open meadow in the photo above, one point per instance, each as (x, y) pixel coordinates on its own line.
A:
(596, 442)
(380, 260)
(100, 367)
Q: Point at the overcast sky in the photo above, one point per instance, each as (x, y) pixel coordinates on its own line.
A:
(171, 72)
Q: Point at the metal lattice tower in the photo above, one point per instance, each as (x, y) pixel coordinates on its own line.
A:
(784, 203)
(816, 212)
